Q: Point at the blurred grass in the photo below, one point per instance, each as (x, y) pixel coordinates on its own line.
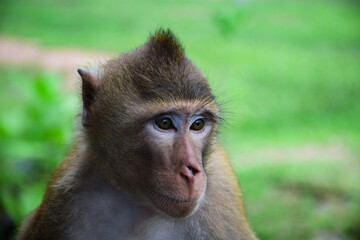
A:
(299, 201)
(286, 72)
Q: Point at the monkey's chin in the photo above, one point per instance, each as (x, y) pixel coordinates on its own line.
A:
(174, 207)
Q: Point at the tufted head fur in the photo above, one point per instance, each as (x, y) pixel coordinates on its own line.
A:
(157, 70)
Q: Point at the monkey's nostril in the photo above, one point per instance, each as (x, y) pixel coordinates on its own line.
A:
(189, 173)
(193, 171)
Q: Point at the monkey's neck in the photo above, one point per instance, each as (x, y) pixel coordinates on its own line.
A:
(89, 198)
(107, 202)
(116, 211)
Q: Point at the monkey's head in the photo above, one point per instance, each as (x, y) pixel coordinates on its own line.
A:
(150, 118)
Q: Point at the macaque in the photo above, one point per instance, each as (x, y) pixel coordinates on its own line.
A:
(146, 163)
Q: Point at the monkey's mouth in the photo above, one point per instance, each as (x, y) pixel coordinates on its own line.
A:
(177, 200)
(174, 206)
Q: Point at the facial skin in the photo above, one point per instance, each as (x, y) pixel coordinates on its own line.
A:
(178, 138)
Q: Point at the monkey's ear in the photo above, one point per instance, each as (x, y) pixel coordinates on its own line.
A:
(90, 84)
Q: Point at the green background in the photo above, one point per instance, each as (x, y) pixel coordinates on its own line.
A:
(286, 73)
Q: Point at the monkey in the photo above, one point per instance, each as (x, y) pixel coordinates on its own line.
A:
(146, 162)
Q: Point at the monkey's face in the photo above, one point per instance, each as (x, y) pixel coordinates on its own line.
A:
(178, 138)
(151, 116)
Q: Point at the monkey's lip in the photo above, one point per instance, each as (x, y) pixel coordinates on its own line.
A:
(175, 207)
(174, 199)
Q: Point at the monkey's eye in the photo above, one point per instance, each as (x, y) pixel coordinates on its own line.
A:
(164, 123)
(197, 125)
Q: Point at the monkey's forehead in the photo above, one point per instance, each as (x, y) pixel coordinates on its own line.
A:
(195, 106)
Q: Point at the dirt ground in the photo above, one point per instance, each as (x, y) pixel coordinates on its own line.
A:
(306, 153)
(18, 52)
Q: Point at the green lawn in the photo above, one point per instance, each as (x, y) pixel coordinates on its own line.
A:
(287, 74)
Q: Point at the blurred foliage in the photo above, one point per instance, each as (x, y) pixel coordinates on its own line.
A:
(36, 125)
(286, 73)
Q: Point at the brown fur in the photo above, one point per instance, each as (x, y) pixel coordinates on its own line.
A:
(105, 188)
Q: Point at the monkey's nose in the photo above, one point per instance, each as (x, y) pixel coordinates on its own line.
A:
(189, 174)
